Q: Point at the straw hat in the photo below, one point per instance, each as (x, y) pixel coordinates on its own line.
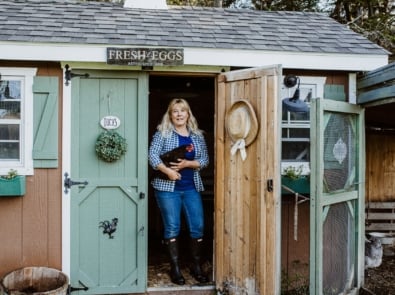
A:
(241, 122)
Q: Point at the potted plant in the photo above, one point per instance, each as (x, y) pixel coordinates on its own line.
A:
(12, 184)
(292, 178)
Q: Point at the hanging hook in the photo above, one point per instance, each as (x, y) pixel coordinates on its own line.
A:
(109, 101)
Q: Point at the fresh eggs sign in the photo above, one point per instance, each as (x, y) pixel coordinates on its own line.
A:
(145, 56)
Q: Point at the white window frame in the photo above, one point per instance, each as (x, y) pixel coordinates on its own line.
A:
(24, 166)
(317, 85)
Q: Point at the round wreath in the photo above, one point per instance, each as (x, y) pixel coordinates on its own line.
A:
(110, 146)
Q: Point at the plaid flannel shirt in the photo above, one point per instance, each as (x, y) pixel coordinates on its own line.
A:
(160, 145)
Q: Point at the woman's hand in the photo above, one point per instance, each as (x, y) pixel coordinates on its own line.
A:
(177, 166)
(182, 163)
(171, 173)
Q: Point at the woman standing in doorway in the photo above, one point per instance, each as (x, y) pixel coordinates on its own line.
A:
(179, 190)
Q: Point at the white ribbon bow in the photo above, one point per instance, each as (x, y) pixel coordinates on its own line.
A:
(239, 145)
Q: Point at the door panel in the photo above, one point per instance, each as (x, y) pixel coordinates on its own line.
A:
(247, 207)
(337, 197)
(109, 262)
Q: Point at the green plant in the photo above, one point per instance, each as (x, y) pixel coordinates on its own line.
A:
(11, 174)
(293, 172)
(110, 146)
(295, 280)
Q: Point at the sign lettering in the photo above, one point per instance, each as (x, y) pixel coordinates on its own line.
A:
(145, 56)
(110, 122)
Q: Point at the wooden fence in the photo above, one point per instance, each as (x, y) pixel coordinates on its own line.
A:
(380, 217)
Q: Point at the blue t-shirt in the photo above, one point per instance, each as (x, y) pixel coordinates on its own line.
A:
(186, 181)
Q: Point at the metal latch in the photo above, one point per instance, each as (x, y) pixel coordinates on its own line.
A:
(68, 183)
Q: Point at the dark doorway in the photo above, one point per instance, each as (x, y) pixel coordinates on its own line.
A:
(200, 93)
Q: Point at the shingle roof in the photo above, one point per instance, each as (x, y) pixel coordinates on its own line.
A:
(74, 22)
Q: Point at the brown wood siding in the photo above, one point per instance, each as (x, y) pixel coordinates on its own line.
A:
(380, 167)
(31, 226)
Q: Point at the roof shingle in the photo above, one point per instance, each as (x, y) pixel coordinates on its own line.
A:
(54, 21)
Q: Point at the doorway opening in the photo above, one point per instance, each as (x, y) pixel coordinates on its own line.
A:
(199, 91)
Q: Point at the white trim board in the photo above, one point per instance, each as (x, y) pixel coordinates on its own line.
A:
(202, 56)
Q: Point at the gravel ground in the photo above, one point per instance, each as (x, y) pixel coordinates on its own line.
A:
(381, 280)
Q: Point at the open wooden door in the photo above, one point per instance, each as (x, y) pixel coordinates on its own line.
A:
(247, 193)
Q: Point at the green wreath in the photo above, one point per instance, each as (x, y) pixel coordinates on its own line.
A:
(110, 146)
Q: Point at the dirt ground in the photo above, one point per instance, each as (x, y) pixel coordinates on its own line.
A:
(381, 280)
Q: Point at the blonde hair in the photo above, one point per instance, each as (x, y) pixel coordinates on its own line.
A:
(166, 125)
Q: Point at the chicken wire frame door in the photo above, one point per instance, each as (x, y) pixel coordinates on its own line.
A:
(337, 197)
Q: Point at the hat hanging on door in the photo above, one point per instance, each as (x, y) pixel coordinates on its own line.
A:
(241, 125)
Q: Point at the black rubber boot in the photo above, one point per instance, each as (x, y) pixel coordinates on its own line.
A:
(175, 273)
(196, 270)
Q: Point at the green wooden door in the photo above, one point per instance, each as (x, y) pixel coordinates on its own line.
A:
(337, 197)
(104, 263)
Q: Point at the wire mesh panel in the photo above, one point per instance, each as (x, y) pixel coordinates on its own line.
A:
(338, 250)
(337, 196)
(340, 148)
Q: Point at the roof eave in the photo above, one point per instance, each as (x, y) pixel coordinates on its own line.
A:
(202, 56)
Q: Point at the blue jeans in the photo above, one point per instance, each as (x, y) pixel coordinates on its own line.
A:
(171, 204)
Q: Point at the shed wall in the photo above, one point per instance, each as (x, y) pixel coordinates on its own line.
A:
(380, 167)
(31, 226)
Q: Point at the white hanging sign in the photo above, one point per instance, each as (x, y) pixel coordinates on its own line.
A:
(110, 122)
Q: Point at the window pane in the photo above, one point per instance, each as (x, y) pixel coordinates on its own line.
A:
(10, 99)
(9, 141)
(10, 109)
(9, 132)
(296, 151)
(9, 150)
(295, 133)
(10, 89)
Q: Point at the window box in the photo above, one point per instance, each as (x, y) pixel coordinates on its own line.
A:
(13, 187)
(300, 185)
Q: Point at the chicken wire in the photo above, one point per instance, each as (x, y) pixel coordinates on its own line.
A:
(338, 250)
(340, 160)
(340, 151)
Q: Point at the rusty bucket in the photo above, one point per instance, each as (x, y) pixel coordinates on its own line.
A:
(35, 280)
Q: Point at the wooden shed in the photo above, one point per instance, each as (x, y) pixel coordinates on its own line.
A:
(68, 67)
(376, 92)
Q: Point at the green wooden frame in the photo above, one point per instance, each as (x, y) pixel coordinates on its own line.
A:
(320, 202)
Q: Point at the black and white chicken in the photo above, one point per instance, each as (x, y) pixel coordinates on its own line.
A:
(173, 156)
(373, 251)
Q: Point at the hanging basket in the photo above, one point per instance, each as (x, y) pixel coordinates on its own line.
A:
(110, 146)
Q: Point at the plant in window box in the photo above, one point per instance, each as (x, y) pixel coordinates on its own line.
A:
(293, 179)
(12, 184)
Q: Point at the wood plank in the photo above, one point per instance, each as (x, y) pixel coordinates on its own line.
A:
(380, 170)
(247, 74)
(219, 187)
(384, 92)
(380, 216)
(380, 205)
(377, 76)
(35, 221)
(380, 227)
